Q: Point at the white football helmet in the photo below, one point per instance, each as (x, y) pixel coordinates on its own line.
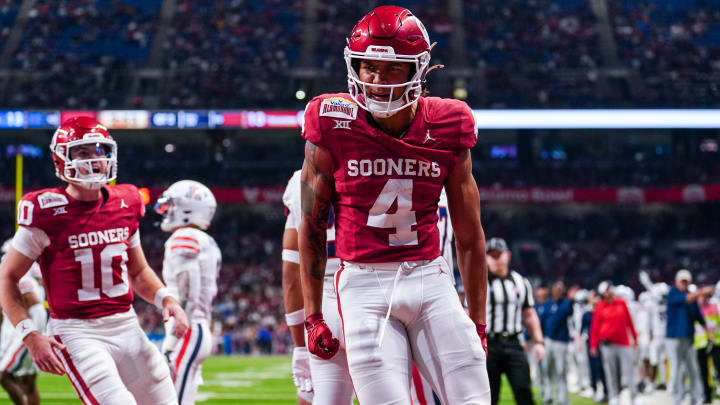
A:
(388, 33)
(625, 292)
(186, 202)
(605, 286)
(82, 131)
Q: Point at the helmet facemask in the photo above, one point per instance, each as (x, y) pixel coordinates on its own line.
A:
(81, 171)
(164, 206)
(413, 88)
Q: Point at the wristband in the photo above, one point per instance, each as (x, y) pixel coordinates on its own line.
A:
(292, 256)
(160, 295)
(25, 327)
(295, 318)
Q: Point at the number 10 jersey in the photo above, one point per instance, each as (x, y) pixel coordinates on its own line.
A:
(81, 247)
(387, 189)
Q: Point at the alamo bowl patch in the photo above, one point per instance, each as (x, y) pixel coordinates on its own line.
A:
(49, 200)
(339, 107)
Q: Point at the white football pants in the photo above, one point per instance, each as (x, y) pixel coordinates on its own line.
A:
(110, 361)
(331, 378)
(426, 324)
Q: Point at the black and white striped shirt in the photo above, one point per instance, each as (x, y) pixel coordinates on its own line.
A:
(506, 299)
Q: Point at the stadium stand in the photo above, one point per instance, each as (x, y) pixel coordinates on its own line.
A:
(236, 53)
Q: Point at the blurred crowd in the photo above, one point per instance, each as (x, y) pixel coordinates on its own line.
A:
(81, 53)
(249, 53)
(253, 160)
(581, 245)
(673, 48)
(549, 243)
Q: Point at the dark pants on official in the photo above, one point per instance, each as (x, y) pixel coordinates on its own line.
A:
(506, 355)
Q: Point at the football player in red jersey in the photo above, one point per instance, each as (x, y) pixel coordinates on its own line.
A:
(86, 240)
(380, 156)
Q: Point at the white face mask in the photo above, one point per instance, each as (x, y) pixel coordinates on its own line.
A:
(81, 172)
(89, 177)
(385, 109)
(412, 89)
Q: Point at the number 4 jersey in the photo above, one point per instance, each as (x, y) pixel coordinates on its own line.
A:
(82, 248)
(387, 189)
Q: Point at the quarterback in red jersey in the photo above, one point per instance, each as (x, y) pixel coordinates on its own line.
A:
(380, 156)
(85, 237)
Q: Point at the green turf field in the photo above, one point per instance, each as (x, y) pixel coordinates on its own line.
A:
(228, 380)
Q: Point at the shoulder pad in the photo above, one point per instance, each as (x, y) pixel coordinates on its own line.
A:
(130, 198)
(323, 108)
(339, 106)
(50, 199)
(455, 118)
(37, 207)
(185, 242)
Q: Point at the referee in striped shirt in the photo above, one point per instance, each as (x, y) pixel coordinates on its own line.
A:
(510, 304)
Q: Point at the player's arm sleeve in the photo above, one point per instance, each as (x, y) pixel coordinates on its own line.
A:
(138, 200)
(293, 218)
(292, 222)
(170, 280)
(311, 130)
(30, 241)
(195, 287)
(468, 129)
(184, 264)
(134, 240)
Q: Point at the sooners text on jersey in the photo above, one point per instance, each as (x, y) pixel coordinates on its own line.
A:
(84, 268)
(387, 189)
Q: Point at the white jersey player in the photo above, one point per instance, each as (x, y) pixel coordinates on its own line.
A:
(190, 266)
(18, 372)
(643, 328)
(446, 231)
(328, 381)
(578, 364)
(658, 326)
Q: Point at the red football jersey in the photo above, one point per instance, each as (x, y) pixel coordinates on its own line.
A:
(387, 189)
(84, 268)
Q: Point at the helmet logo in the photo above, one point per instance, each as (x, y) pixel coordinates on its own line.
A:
(92, 135)
(386, 50)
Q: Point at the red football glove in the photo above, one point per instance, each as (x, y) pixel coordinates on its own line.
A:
(320, 340)
(483, 335)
